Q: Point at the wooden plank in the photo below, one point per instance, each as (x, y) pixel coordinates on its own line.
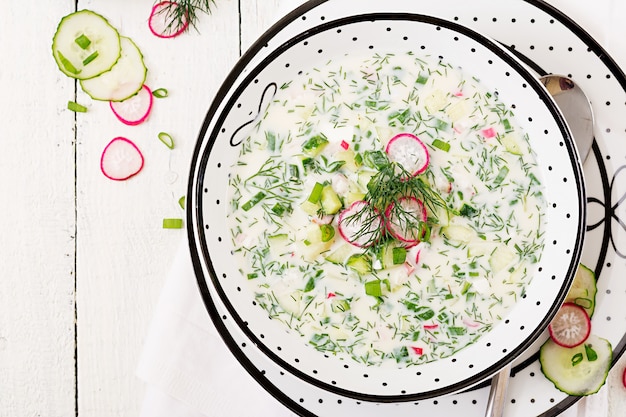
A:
(124, 254)
(37, 222)
(257, 16)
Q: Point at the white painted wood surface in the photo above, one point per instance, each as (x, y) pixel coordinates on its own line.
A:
(83, 258)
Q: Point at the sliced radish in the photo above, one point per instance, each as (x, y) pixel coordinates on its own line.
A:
(624, 378)
(121, 159)
(409, 151)
(133, 110)
(360, 224)
(403, 216)
(162, 22)
(571, 326)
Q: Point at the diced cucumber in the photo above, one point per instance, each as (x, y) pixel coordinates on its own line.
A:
(329, 200)
(340, 255)
(458, 110)
(391, 254)
(360, 263)
(339, 305)
(290, 302)
(85, 45)
(511, 144)
(123, 80)
(583, 290)
(312, 248)
(501, 257)
(348, 156)
(579, 371)
(364, 178)
(353, 196)
(279, 245)
(312, 209)
(436, 101)
(458, 233)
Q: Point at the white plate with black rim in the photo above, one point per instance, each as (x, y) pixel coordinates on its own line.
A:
(438, 379)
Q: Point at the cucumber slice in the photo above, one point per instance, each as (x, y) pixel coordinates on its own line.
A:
(584, 289)
(579, 371)
(85, 45)
(123, 80)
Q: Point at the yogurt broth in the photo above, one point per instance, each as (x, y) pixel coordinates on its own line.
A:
(438, 282)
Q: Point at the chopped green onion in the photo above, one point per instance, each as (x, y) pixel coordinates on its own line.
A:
(457, 331)
(160, 93)
(398, 255)
(373, 288)
(90, 58)
(271, 141)
(253, 201)
(67, 64)
(314, 145)
(577, 358)
(376, 159)
(167, 139)
(75, 107)
(253, 275)
(444, 146)
(294, 173)
(181, 202)
(316, 193)
(83, 41)
(591, 354)
(468, 211)
(422, 78)
(279, 209)
(172, 223)
(440, 124)
(328, 232)
(504, 171)
(507, 125)
(309, 285)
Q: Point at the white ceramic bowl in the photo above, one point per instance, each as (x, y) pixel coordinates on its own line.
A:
(244, 95)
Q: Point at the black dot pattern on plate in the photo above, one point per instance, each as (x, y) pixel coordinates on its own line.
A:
(480, 19)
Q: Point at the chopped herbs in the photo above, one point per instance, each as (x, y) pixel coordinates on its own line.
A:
(423, 261)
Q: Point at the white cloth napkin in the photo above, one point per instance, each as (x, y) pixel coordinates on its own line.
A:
(188, 370)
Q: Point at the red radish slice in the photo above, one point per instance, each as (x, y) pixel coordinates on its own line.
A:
(624, 378)
(409, 151)
(571, 326)
(133, 110)
(360, 224)
(121, 159)
(161, 18)
(401, 221)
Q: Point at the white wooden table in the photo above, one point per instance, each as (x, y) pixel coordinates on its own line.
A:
(83, 258)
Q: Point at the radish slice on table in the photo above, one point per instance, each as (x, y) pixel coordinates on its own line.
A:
(409, 151)
(121, 159)
(360, 224)
(571, 326)
(405, 219)
(133, 110)
(162, 22)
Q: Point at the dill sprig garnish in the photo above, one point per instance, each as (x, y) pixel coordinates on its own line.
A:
(179, 13)
(385, 190)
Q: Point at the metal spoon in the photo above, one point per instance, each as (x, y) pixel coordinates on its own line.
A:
(576, 109)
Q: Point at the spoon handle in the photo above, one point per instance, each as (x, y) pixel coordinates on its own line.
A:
(497, 394)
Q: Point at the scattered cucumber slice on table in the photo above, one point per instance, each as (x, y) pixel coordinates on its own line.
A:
(579, 371)
(85, 45)
(583, 290)
(123, 80)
